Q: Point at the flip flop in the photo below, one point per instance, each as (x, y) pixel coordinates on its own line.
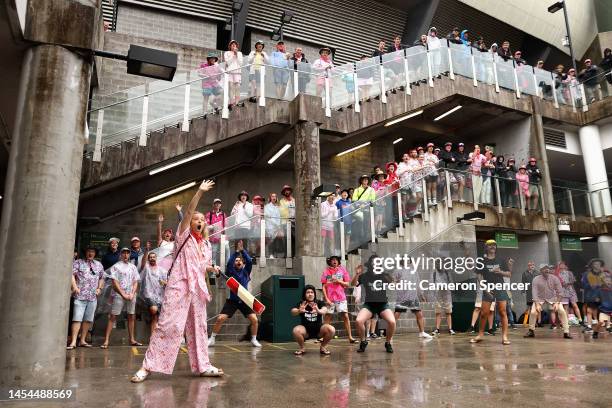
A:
(104, 346)
(70, 347)
(136, 344)
(475, 340)
(212, 372)
(299, 352)
(353, 341)
(87, 345)
(140, 376)
(506, 342)
(324, 351)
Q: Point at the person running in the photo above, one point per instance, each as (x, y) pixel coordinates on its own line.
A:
(125, 278)
(311, 310)
(409, 300)
(87, 284)
(527, 281)
(375, 302)
(154, 280)
(492, 273)
(569, 296)
(185, 300)
(335, 278)
(239, 267)
(547, 289)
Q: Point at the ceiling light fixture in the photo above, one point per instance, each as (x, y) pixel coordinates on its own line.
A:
(179, 162)
(352, 149)
(279, 153)
(456, 108)
(401, 118)
(169, 193)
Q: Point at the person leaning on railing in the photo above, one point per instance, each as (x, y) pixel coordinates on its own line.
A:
(233, 65)
(606, 64)
(588, 76)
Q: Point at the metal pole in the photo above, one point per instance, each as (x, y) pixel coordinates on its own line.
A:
(356, 93)
(407, 73)
(327, 97)
(451, 70)
(498, 196)
(262, 243)
(542, 201)
(97, 154)
(495, 74)
(372, 223)
(225, 109)
(569, 37)
(521, 200)
(400, 213)
(425, 203)
(342, 241)
(262, 86)
(222, 253)
(571, 203)
(383, 92)
(142, 141)
(449, 196)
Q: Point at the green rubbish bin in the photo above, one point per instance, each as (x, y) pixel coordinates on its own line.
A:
(279, 294)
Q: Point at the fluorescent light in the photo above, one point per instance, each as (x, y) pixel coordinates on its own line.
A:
(352, 149)
(408, 116)
(396, 141)
(179, 162)
(169, 193)
(456, 108)
(585, 238)
(279, 153)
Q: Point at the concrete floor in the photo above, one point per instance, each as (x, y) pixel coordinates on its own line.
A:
(446, 372)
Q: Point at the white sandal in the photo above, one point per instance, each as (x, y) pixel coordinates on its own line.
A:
(140, 376)
(212, 371)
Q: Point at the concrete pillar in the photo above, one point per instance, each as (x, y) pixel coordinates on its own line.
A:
(604, 247)
(39, 215)
(595, 168)
(554, 245)
(306, 115)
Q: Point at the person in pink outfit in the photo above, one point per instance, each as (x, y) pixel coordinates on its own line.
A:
(522, 178)
(185, 299)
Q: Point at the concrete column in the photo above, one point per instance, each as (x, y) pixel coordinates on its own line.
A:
(306, 115)
(554, 245)
(307, 171)
(39, 216)
(604, 247)
(595, 168)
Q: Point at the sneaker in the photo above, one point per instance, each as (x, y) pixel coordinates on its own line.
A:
(451, 332)
(609, 329)
(595, 335)
(362, 346)
(587, 329)
(569, 336)
(462, 200)
(425, 336)
(255, 343)
(373, 335)
(530, 333)
(388, 347)
(435, 332)
(553, 327)
(491, 332)
(472, 330)
(211, 341)
(434, 202)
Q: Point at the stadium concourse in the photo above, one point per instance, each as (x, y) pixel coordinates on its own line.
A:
(444, 372)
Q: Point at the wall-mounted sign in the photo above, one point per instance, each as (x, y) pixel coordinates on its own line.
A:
(506, 239)
(569, 243)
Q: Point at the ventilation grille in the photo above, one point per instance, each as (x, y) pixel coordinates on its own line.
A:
(553, 137)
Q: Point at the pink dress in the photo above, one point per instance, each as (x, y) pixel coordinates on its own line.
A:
(523, 183)
(183, 309)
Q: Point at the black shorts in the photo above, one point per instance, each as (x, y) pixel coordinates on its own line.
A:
(432, 178)
(230, 307)
(313, 332)
(593, 305)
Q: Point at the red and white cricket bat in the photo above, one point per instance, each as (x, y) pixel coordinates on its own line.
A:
(245, 296)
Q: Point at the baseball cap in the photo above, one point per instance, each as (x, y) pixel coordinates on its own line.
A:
(114, 239)
(490, 242)
(461, 144)
(125, 249)
(217, 200)
(134, 239)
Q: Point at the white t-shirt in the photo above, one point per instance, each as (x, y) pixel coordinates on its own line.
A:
(125, 273)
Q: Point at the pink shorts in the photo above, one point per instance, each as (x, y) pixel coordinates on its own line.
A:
(327, 233)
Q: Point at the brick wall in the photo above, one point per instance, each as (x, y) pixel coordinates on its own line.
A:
(160, 25)
(345, 170)
(310, 50)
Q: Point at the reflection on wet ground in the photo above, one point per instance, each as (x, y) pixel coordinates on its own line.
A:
(445, 372)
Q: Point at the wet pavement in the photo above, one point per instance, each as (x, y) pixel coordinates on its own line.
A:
(544, 372)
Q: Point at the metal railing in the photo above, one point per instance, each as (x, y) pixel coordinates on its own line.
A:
(134, 113)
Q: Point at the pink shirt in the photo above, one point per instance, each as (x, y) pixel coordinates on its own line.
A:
(523, 180)
(191, 263)
(335, 291)
(477, 163)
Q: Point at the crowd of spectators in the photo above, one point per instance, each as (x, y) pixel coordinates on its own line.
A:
(281, 62)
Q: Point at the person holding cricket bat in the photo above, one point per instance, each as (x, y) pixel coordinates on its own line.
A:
(239, 266)
(185, 300)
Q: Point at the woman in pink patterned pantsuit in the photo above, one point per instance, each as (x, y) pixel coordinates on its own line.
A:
(185, 299)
